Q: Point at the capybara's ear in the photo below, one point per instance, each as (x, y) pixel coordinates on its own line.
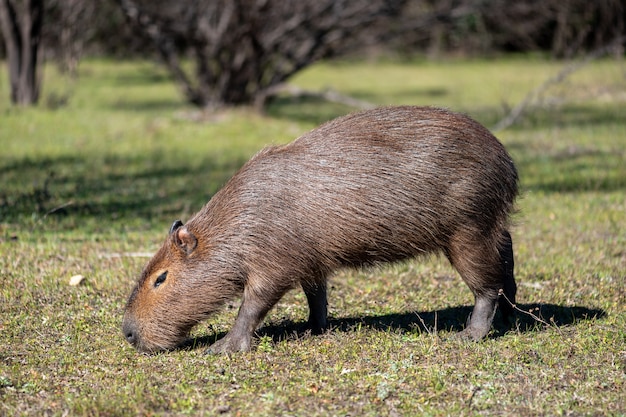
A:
(175, 226)
(185, 240)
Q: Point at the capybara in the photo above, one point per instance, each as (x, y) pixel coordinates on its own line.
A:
(375, 186)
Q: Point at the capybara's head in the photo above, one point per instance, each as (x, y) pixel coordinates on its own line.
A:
(172, 294)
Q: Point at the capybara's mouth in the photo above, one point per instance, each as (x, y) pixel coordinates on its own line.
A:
(153, 349)
(165, 344)
(145, 345)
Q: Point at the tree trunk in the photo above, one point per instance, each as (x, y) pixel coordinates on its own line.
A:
(22, 37)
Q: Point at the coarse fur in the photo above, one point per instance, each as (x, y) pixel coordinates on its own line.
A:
(376, 186)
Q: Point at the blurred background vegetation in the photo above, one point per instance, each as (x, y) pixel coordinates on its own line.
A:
(231, 52)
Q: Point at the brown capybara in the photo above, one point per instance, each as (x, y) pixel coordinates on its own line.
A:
(375, 186)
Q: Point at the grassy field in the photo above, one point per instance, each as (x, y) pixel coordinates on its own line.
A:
(91, 180)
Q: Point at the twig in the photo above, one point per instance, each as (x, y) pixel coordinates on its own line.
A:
(57, 208)
(328, 95)
(568, 70)
(471, 396)
(535, 317)
(431, 332)
(126, 255)
(336, 97)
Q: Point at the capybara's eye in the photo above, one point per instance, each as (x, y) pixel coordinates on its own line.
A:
(160, 279)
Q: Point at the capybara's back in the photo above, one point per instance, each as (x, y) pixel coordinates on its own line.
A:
(375, 186)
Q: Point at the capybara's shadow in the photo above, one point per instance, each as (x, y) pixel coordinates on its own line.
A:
(532, 317)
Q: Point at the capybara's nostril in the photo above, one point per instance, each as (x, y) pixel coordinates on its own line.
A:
(129, 333)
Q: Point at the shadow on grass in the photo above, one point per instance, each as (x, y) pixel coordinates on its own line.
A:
(130, 104)
(110, 187)
(306, 109)
(312, 107)
(156, 183)
(450, 319)
(576, 169)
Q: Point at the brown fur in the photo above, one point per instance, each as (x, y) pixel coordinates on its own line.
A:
(371, 187)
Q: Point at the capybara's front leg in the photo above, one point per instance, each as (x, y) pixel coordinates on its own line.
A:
(254, 307)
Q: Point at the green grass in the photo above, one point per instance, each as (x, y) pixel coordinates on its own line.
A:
(90, 186)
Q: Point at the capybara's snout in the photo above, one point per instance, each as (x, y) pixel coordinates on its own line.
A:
(132, 334)
(148, 338)
(130, 331)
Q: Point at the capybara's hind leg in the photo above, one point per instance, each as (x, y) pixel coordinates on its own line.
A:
(478, 262)
(509, 286)
(318, 306)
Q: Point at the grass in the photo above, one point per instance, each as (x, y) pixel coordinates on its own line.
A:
(90, 186)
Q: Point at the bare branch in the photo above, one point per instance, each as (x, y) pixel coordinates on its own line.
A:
(243, 48)
(327, 95)
(530, 313)
(534, 96)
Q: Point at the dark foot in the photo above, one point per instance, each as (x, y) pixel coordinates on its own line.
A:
(506, 299)
(318, 307)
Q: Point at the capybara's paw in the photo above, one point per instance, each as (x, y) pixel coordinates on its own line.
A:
(472, 334)
(229, 345)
